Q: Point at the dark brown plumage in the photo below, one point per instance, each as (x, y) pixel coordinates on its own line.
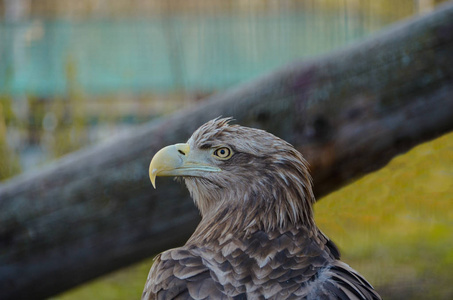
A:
(257, 238)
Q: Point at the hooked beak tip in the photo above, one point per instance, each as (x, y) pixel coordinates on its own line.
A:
(152, 176)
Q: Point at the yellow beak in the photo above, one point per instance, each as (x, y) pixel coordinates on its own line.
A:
(177, 160)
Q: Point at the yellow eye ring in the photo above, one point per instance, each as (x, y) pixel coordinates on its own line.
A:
(223, 153)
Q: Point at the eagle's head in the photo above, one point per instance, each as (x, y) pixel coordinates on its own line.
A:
(247, 174)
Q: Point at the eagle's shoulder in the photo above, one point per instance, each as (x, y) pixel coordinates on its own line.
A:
(180, 274)
(293, 264)
(282, 264)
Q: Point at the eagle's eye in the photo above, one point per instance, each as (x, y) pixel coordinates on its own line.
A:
(223, 153)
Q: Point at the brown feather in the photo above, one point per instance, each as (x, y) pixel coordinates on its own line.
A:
(257, 238)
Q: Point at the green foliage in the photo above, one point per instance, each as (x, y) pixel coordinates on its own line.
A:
(9, 162)
(124, 284)
(70, 113)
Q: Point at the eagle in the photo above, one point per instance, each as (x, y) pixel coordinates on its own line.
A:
(257, 238)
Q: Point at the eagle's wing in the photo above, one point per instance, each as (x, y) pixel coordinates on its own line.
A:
(340, 281)
(268, 267)
(178, 274)
(288, 265)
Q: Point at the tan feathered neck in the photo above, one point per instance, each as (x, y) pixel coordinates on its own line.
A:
(265, 185)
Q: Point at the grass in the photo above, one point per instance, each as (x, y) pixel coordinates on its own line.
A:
(124, 284)
(395, 226)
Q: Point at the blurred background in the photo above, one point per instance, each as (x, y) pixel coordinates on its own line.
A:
(73, 73)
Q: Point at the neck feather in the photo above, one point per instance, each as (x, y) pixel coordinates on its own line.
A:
(278, 205)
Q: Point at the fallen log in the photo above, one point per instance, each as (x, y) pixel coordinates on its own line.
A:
(349, 112)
